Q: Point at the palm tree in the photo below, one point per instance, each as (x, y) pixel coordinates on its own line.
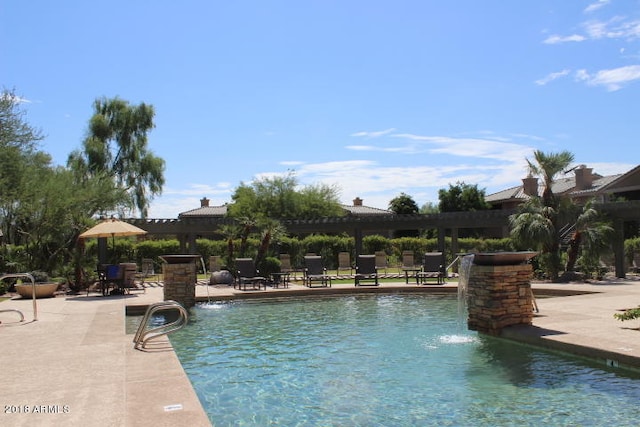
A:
(536, 225)
(230, 232)
(272, 230)
(590, 230)
(247, 225)
(548, 166)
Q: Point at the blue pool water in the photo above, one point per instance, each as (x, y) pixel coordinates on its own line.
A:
(385, 360)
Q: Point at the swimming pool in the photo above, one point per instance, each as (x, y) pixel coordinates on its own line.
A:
(385, 360)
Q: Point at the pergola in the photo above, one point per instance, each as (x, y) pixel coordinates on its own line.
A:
(188, 229)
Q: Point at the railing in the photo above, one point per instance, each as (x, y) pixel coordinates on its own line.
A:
(144, 335)
(33, 291)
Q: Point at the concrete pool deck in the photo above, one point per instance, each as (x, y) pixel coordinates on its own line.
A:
(76, 365)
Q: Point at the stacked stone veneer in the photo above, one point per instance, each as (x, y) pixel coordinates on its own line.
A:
(180, 283)
(499, 296)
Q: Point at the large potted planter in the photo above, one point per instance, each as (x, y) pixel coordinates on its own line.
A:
(44, 288)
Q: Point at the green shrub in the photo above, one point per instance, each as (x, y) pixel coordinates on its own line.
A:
(40, 276)
(269, 265)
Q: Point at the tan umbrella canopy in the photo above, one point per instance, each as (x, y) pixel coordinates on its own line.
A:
(112, 227)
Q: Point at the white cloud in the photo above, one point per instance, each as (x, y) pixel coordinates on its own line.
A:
(552, 76)
(615, 28)
(472, 147)
(555, 39)
(606, 169)
(613, 79)
(406, 149)
(360, 147)
(220, 188)
(375, 134)
(595, 6)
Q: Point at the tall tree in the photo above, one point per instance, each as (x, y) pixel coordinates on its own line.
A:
(18, 155)
(462, 198)
(280, 198)
(42, 208)
(403, 204)
(117, 145)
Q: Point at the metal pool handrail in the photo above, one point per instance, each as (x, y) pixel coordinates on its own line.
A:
(143, 335)
(33, 292)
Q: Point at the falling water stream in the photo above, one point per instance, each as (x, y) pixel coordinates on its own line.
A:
(463, 281)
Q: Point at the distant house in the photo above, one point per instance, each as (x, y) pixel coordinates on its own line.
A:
(358, 209)
(583, 185)
(206, 211)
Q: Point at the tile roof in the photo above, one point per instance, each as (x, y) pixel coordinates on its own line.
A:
(365, 210)
(560, 186)
(207, 211)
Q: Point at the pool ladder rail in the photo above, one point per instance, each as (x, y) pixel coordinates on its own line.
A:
(33, 284)
(144, 334)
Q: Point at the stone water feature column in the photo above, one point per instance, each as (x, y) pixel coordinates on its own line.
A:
(499, 292)
(180, 278)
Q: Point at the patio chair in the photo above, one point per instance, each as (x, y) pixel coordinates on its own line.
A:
(409, 266)
(147, 272)
(215, 263)
(431, 269)
(344, 262)
(129, 276)
(315, 271)
(381, 261)
(287, 267)
(248, 275)
(366, 270)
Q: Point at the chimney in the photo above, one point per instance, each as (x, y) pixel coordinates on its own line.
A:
(357, 201)
(530, 185)
(584, 178)
(204, 202)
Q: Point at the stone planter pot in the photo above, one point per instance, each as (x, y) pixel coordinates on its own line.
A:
(43, 290)
(503, 258)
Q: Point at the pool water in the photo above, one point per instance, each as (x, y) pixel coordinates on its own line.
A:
(385, 360)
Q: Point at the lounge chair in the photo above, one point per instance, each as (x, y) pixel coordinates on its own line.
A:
(381, 261)
(409, 266)
(344, 262)
(315, 271)
(248, 275)
(366, 270)
(431, 269)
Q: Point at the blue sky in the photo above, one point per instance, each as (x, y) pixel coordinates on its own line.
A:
(376, 97)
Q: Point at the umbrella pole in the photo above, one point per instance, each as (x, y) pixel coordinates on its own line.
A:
(102, 250)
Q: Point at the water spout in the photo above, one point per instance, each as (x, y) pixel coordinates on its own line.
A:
(463, 280)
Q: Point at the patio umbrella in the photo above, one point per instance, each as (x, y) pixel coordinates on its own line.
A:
(112, 227)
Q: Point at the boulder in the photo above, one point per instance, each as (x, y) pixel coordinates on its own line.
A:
(222, 277)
